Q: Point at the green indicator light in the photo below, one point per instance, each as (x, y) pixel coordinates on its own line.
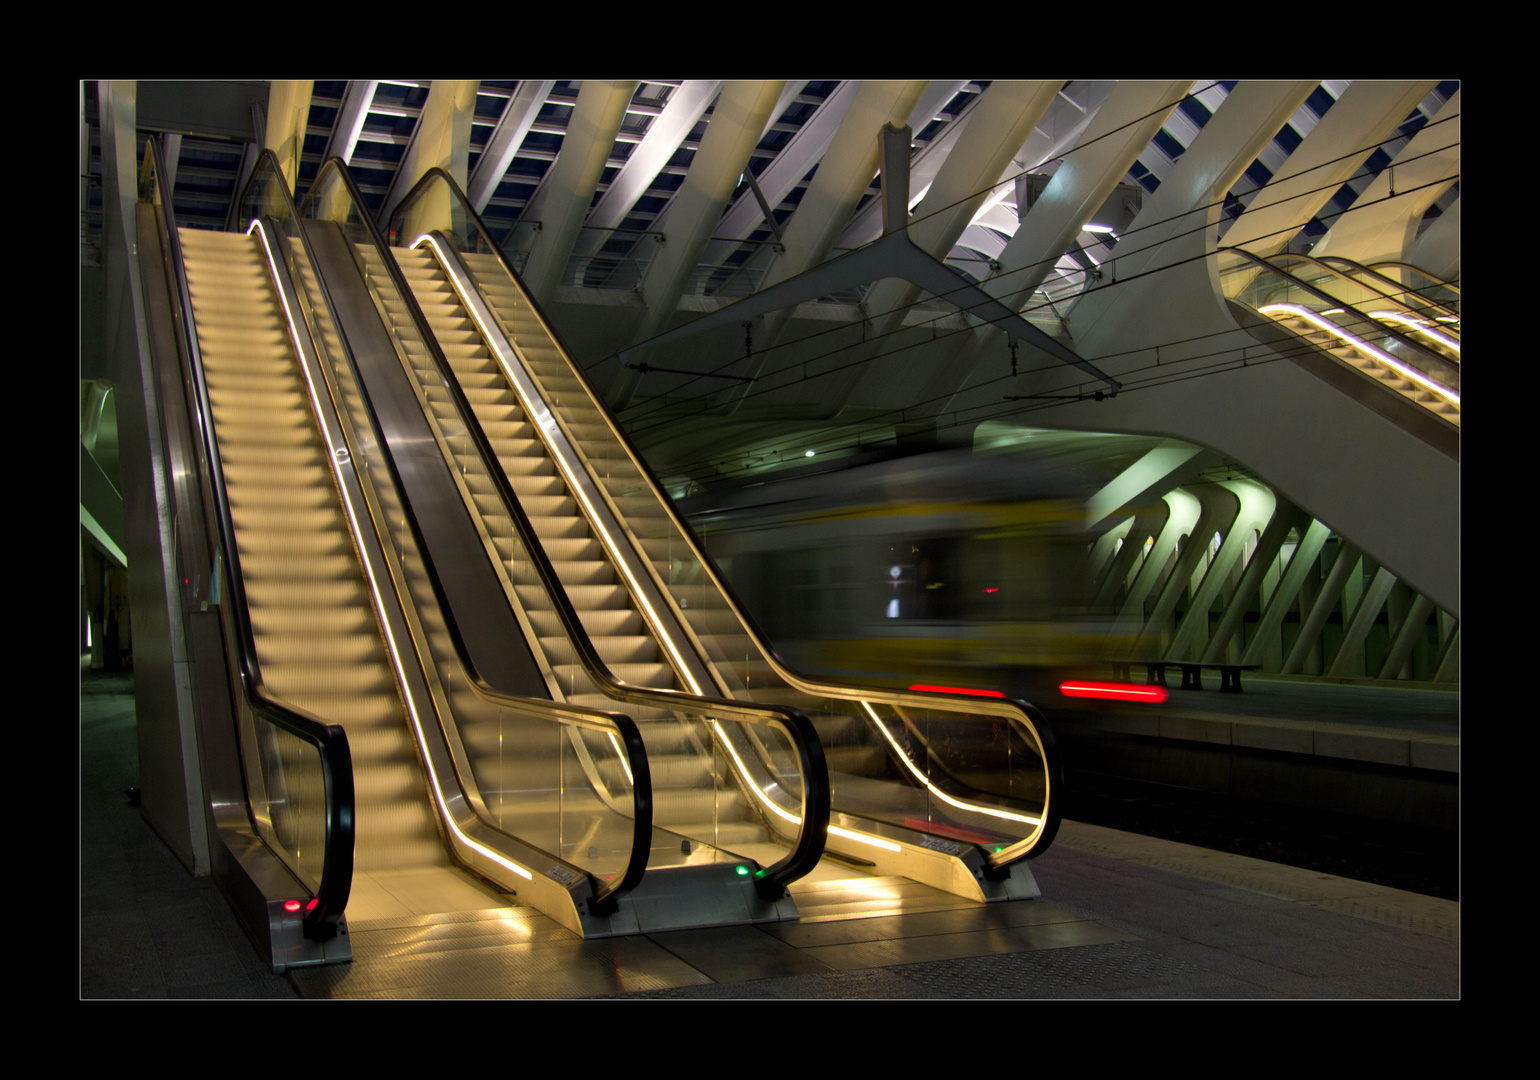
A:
(743, 871)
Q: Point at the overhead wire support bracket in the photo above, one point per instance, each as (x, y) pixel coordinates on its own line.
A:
(645, 367)
(893, 256)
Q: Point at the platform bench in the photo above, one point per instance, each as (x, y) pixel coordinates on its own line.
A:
(1155, 672)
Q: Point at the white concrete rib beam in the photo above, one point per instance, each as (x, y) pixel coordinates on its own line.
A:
(1367, 113)
(1425, 168)
(668, 130)
(570, 185)
(517, 119)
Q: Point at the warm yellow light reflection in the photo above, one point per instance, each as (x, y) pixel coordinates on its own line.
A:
(540, 413)
(1417, 325)
(370, 575)
(1358, 343)
(937, 792)
(886, 845)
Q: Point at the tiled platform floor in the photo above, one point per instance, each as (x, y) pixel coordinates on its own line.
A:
(1122, 916)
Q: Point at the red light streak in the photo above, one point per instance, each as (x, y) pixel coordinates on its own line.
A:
(1112, 691)
(957, 690)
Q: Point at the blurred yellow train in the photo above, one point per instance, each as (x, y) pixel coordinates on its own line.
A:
(944, 569)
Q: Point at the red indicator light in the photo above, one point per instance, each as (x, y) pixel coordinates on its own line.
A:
(1112, 691)
(991, 590)
(955, 833)
(291, 905)
(957, 690)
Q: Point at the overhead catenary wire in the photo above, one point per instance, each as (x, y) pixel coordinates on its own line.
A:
(643, 410)
(666, 411)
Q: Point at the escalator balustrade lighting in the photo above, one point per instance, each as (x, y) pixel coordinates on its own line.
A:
(863, 838)
(1416, 325)
(338, 457)
(1363, 346)
(536, 408)
(540, 413)
(975, 808)
(1113, 691)
(743, 772)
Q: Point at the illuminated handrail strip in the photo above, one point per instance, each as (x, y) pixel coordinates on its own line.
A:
(1332, 302)
(1417, 326)
(1364, 347)
(327, 903)
(450, 801)
(346, 489)
(596, 512)
(560, 451)
(1004, 709)
(959, 804)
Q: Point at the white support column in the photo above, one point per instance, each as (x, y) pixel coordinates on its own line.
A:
(1246, 122)
(664, 135)
(1310, 628)
(1182, 515)
(1449, 661)
(350, 119)
(804, 150)
(843, 175)
(1407, 636)
(1285, 518)
(1112, 142)
(1254, 507)
(442, 140)
(1004, 117)
(1283, 598)
(1350, 657)
(569, 187)
(1144, 528)
(288, 117)
(1167, 466)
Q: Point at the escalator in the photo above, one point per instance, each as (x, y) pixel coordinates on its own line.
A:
(936, 788)
(736, 788)
(1391, 345)
(317, 642)
(349, 613)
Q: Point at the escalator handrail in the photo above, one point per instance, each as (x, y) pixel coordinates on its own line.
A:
(1320, 294)
(330, 740)
(1432, 279)
(1340, 267)
(604, 894)
(1348, 266)
(771, 881)
(1005, 708)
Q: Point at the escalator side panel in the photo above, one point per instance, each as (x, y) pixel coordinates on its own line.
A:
(491, 634)
(317, 639)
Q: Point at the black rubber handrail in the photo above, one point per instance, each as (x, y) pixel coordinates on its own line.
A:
(1017, 710)
(1388, 330)
(331, 742)
(605, 894)
(1348, 267)
(770, 881)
